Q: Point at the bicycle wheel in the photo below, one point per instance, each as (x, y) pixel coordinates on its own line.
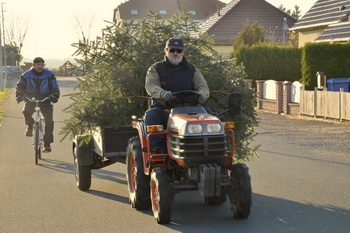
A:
(41, 136)
(36, 143)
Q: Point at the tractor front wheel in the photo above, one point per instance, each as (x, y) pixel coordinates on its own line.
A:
(161, 195)
(241, 193)
(138, 182)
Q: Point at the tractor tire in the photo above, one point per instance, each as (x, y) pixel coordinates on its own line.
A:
(82, 172)
(161, 195)
(241, 194)
(138, 182)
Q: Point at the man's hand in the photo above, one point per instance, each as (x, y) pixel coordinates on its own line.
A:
(167, 95)
(53, 98)
(19, 99)
(201, 99)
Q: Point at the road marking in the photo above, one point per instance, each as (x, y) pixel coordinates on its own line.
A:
(281, 220)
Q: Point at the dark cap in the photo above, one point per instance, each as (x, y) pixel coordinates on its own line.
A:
(175, 43)
(38, 59)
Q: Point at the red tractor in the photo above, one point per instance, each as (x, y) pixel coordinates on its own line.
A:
(198, 156)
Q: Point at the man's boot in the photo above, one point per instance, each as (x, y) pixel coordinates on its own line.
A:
(47, 147)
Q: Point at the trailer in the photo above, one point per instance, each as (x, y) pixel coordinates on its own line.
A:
(106, 146)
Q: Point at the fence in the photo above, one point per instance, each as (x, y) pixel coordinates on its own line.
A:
(291, 98)
(328, 104)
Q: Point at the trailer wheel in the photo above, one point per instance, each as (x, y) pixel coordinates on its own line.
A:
(241, 194)
(138, 182)
(82, 173)
(161, 195)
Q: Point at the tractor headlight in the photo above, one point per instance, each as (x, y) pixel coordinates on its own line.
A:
(195, 128)
(214, 128)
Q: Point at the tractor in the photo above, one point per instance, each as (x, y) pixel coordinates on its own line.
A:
(198, 155)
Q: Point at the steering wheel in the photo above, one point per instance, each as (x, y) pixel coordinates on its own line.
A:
(184, 98)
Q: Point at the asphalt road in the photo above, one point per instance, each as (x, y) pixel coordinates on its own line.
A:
(300, 184)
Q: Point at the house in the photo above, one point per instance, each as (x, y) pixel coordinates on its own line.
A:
(139, 9)
(229, 21)
(326, 21)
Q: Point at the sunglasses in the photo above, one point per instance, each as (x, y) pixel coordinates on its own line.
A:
(177, 50)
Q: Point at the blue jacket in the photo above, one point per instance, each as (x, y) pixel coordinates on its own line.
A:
(38, 85)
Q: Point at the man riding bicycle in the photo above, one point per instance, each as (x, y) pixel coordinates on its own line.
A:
(38, 83)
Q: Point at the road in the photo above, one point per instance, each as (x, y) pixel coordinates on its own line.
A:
(299, 185)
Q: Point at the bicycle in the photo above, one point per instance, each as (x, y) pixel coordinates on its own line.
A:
(38, 128)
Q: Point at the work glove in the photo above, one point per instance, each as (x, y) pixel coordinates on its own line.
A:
(19, 99)
(201, 99)
(167, 95)
(53, 98)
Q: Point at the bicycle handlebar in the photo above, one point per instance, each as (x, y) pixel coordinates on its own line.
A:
(37, 101)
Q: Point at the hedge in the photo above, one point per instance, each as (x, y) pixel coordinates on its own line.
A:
(332, 59)
(263, 62)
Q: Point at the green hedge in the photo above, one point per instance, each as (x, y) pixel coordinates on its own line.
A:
(263, 62)
(332, 59)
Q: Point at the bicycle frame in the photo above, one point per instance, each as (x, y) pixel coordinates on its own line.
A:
(38, 128)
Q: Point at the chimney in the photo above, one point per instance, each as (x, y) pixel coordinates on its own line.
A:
(218, 10)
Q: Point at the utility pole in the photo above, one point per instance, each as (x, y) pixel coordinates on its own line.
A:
(3, 32)
(285, 29)
(2, 79)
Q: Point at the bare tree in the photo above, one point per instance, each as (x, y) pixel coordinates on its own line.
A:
(15, 33)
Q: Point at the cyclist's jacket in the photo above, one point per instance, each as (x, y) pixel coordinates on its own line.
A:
(38, 85)
(164, 76)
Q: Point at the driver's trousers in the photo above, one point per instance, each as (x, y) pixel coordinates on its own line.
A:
(157, 116)
(46, 109)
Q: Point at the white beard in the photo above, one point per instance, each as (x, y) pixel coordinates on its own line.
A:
(175, 61)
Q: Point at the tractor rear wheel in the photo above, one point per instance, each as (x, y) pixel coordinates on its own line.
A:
(161, 195)
(241, 194)
(138, 182)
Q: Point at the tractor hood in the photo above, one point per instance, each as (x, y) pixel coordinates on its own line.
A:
(192, 123)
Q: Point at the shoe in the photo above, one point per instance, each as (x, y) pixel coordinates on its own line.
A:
(29, 131)
(47, 148)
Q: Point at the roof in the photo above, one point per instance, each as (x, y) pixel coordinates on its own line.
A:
(324, 13)
(202, 8)
(336, 32)
(231, 19)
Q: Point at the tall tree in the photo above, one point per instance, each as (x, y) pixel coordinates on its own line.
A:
(115, 65)
(252, 33)
(296, 13)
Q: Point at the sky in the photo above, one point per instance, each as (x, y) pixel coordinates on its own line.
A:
(54, 25)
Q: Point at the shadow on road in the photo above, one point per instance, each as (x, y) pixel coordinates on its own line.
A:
(268, 214)
(306, 158)
(108, 175)
(109, 196)
(57, 165)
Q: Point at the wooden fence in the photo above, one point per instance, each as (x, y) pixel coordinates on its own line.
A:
(291, 98)
(328, 104)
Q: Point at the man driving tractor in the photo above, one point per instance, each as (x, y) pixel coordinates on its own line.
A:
(163, 78)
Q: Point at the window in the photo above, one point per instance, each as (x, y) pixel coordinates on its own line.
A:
(192, 12)
(134, 12)
(163, 12)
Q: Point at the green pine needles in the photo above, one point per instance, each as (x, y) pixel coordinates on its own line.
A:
(112, 90)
